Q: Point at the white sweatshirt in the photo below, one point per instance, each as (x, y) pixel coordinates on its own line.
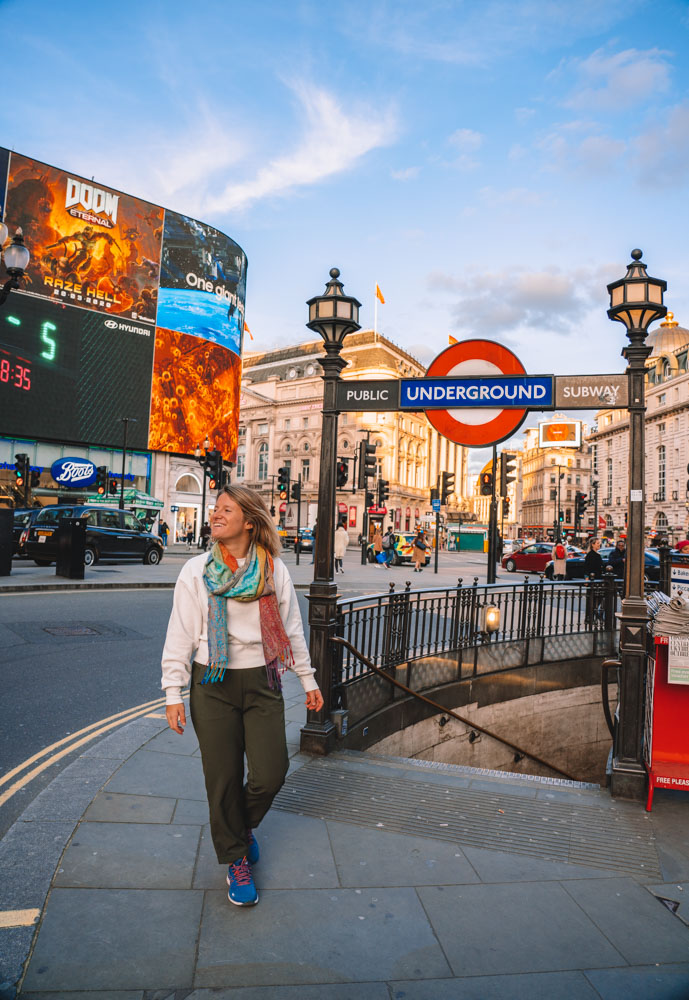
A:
(187, 637)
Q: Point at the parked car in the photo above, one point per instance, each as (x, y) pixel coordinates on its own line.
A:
(575, 565)
(402, 553)
(22, 517)
(532, 558)
(111, 534)
(305, 541)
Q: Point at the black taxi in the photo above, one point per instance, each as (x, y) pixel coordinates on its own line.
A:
(111, 534)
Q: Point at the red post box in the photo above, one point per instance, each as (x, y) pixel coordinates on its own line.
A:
(666, 743)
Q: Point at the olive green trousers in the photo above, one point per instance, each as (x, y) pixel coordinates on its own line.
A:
(236, 716)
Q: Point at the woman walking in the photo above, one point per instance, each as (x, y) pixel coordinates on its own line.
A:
(341, 543)
(235, 627)
(419, 551)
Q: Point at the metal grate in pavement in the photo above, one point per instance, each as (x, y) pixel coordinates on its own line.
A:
(598, 837)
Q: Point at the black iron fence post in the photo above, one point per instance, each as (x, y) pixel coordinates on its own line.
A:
(665, 568)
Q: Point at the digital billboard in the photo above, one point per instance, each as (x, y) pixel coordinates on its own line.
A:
(127, 309)
(559, 434)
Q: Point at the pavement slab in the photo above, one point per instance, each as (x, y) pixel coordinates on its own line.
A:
(634, 921)
(295, 854)
(530, 986)
(114, 807)
(193, 811)
(133, 939)
(514, 928)
(130, 856)
(650, 983)
(349, 935)
(161, 774)
(500, 866)
(376, 858)
(169, 742)
(341, 991)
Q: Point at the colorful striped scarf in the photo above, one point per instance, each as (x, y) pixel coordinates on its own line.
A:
(253, 581)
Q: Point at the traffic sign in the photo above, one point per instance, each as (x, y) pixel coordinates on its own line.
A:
(478, 426)
(435, 505)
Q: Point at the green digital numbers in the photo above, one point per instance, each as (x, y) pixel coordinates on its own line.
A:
(51, 344)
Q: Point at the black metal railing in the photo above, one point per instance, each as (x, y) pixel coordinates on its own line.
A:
(400, 627)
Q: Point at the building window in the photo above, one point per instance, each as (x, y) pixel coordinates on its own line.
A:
(288, 446)
(307, 446)
(345, 445)
(661, 399)
(305, 470)
(305, 421)
(661, 428)
(188, 484)
(263, 461)
(344, 419)
(661, 472)
(241, 464)
(263, 428)
(661, 520)
(608, 465)
(241, 433)
(288, 424)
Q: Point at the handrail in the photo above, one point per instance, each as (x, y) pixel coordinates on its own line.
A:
(606, 666)
(447, 711)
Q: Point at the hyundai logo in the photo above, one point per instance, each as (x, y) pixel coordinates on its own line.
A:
(111, 324)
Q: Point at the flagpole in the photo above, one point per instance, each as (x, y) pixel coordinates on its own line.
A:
(375, 312)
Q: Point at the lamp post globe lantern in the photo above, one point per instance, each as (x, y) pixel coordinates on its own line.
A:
(636, 300)
(16, 258)
(332, 315)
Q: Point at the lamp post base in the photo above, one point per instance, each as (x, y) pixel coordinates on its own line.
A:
(628, 780)
(318, 738)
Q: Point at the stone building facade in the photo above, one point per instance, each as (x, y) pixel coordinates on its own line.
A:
(544, 471)
(280, 425)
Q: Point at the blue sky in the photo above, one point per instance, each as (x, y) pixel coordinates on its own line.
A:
(490, 164)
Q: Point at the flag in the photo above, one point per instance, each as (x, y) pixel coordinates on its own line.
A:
(379, 294)
(453, 340)
(247, 330)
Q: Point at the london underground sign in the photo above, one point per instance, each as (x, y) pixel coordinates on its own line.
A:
(477, 423)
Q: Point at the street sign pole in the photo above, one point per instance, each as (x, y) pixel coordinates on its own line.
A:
(492, 522)
(437, 539)
(594, 484)
(298, 545)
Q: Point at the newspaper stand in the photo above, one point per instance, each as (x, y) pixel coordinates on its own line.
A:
(666, 744)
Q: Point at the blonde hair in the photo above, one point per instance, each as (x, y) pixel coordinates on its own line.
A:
(254, 509)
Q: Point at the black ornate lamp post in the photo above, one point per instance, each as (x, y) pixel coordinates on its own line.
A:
(635, 300)
(16, 258)
(202, 460)
(332, 315)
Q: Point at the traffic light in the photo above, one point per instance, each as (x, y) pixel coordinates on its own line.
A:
(369, 499)
(35, 478)
(581, 504)
(101, 479)
(113, 486)
(296, 490)
(21, 469)
(225, 477)
(383, 491)
(447, 485)
(283, 482)
(508, 465)
(506, 507)
(486, 481)
(435, 493)
(561, 517)
(342, 473)
(367, 463)
(215, 469)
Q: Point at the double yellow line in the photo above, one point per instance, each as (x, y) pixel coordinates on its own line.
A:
(69, 744)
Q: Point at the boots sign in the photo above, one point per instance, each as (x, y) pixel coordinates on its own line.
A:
(477, 392)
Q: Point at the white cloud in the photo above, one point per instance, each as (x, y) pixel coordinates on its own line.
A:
(568, 148)
(466, 140)
(511, 196)
(662, 152)
(549, 299)
(620, 80)
(409, 174)
(333, 141)
(523, 115)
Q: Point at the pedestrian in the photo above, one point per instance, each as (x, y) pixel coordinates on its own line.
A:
(378, 546)
(190, 537)
(389, 542)
(205, 535)
(616, 559)
(235, 627)
(163, 531)
(341, 543)
(593, 561)
(314, 532)
(559, 561)
(419, 551)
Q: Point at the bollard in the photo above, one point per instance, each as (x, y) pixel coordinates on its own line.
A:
(71, 542)
(6, 540)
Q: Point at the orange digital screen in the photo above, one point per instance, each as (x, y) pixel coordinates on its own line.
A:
(559, 433)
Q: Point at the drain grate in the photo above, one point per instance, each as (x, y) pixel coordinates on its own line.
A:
(598, 837)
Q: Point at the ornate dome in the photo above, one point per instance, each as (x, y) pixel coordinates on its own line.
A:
(667, 338)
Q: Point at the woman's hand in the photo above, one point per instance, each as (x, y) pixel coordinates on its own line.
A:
(177, 719)
(314, 700)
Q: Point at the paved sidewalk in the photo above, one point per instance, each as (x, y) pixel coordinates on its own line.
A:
(379, 878)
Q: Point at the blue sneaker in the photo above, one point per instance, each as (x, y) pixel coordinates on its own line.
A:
(242, 891)
(253, 854)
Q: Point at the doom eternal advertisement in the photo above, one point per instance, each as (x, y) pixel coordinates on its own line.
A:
(126, 309)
